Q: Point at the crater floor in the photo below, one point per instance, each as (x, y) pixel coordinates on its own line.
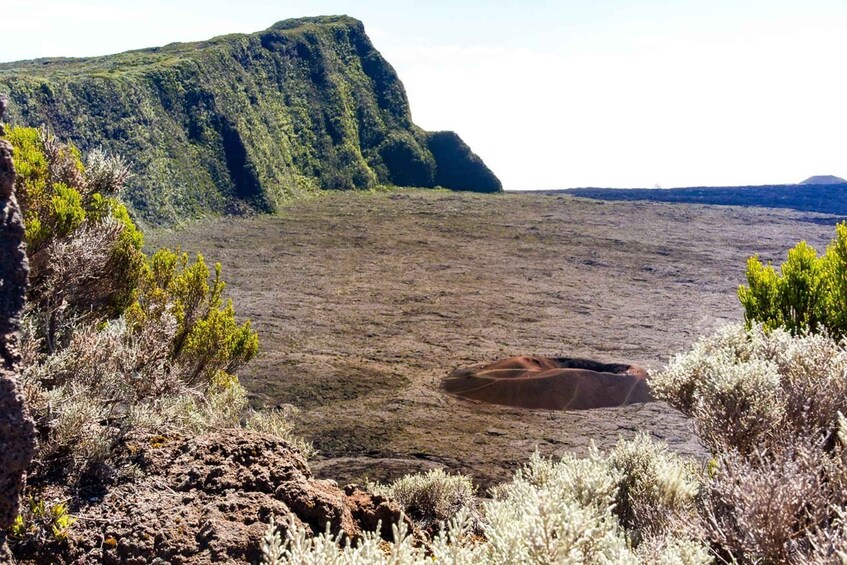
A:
(365, 301)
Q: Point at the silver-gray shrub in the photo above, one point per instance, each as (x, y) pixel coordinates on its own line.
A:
(769, 406)
(656, 489)
(104, 173)
(551, 512)
(430, 498)
(752, 389)
(109, 381)
(782, 506)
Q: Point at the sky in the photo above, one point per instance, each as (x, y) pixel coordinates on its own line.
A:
(554, 94)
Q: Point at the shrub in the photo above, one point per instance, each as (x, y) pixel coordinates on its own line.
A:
(552, 512)
(279, 423)
(776, 506)
(432, 497)
(656, 490)
(749, 389)
(809, 293)
(116, 342)
(207, 340)
(83, 248)
(41, 523)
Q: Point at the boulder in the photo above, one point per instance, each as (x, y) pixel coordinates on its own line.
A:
(209, 499)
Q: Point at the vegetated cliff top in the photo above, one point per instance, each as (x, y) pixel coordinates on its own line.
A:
(824, 179)
(143, 59)
(243, 122)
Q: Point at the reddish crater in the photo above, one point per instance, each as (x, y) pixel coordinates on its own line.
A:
(551, 383)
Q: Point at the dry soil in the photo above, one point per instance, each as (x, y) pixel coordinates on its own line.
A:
(365, 301)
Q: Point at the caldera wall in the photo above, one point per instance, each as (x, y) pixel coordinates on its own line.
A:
(243, 122)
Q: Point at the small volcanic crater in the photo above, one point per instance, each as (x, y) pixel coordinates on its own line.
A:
(551, 383)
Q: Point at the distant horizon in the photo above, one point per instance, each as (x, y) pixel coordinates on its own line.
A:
(615, 94)
(801, 183)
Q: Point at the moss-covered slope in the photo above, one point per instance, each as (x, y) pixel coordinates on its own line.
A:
(242, 122)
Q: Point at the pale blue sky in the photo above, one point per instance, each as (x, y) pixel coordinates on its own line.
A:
(555, 94)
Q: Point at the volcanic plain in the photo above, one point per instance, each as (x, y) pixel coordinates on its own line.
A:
(364, 302)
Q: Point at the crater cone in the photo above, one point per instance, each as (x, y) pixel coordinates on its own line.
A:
(551, 383)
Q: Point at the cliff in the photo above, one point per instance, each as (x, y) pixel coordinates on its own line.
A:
(243, 122)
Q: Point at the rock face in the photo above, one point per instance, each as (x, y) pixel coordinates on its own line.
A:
(551, 383)
(17, 432)
(241, 122)
(208, 499)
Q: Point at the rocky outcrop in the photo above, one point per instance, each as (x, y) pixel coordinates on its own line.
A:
(243, 122)
(209, 499)
(17, 432)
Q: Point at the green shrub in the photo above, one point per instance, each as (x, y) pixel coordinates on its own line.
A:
(115, 342)
(84, 249)
(208, 340)
(808, 293)
(41, 523)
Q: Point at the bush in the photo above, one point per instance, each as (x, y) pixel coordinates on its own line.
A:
(278, 423)
(776, 506)
(84, 250)
(115, 342)
(552, 512)
(749, 389)
(809, 293)
(656, 490)
(207, 340)
(167, 366)
(769, 406)
(41, 523)
(432, 497)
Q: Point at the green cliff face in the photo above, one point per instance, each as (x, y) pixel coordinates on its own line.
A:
(243, 122)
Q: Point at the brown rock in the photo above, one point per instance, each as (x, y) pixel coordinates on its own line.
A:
(371, 511)
(17, 431)
(208, 499)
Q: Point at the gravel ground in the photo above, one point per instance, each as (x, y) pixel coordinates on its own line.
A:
(365, 301)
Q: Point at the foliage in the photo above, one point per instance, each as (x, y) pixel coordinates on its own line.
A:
(750, 389)
(207, 340)
(114, 342)
(41, 523)
(167, 365)
(769, 406)
(552, 512)
(432, 497)
(83, 248)
(242, 122)
(809, 293)
(777, 505)
(279, 423)
(657, 489)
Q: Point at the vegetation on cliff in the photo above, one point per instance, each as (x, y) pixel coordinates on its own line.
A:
(243, 122)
